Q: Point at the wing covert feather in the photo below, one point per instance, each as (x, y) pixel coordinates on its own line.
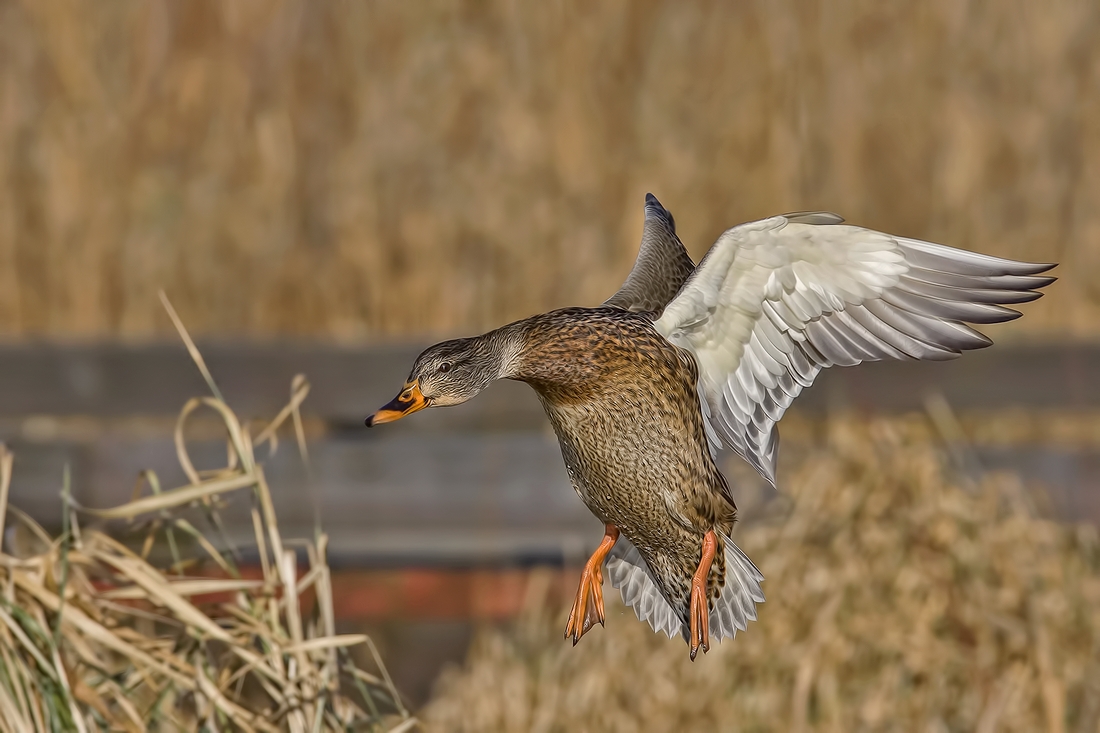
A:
(777, 300)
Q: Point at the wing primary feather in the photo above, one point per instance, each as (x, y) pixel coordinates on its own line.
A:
(958, 310)
(939, 257)
(973, 295)
(905, 344)
(777, 300)
(954, 279)
(943, 334)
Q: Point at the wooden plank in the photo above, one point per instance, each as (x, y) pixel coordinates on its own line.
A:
(440, 498)
(348, 383)
(386, 498)
(479, 483)
(1026, 376)
(114, 380)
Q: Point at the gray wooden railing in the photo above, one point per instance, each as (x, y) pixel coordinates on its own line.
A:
(474, 483)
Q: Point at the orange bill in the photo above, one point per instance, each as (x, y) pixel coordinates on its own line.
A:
(409, 401)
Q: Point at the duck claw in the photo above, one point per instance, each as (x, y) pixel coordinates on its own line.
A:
(700, 621)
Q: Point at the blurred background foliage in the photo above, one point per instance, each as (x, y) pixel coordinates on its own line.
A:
(357, 170)
(353, 172)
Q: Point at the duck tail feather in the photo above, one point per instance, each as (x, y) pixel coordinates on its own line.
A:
(735, 607)
(629, 573)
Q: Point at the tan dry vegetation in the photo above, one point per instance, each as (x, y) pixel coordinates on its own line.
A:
(98, 636)
(349, 170)
(901, 597)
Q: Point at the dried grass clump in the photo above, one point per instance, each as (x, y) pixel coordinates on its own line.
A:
(95, 637)
(900, 597)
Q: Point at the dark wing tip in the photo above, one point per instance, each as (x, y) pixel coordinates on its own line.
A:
(984, 343)
(653, 209)
(1043, 281)
(1015, 267)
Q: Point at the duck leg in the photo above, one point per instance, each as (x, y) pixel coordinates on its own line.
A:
(588, 605)
(700, 609)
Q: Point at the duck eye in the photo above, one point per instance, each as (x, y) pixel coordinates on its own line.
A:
(445, 367)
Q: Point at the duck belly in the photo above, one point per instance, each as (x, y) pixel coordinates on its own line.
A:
(623, 403)
(662, 503)
(658, 488)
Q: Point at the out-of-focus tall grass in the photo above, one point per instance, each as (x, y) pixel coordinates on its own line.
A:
(905, 593)
(352, 169)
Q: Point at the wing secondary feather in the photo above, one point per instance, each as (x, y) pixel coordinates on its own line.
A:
(776, 301)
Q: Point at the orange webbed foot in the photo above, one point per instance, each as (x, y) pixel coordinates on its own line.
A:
(699, 611)
(588, 607)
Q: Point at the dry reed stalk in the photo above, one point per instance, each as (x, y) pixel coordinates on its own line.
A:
(343, 170)
(95, 637)
(900, 597)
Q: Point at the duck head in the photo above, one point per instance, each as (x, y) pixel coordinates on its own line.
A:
(450, 373)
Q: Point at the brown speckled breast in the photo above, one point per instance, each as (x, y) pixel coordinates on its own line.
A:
(624, 405)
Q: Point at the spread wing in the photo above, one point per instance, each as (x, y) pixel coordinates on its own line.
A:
(776, 301)
(662, 265)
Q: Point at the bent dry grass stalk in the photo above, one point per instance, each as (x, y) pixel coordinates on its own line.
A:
(94, 636)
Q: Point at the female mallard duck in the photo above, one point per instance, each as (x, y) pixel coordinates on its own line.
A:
(682, 361)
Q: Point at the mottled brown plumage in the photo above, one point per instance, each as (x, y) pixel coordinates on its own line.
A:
(645, 389)
(624, 406)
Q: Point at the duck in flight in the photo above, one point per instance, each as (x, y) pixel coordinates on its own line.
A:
(686, 360)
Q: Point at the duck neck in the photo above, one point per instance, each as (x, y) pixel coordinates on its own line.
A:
(543, 351)
(503, 348)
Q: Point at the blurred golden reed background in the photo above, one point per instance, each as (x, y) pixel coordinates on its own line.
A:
(352, 170)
